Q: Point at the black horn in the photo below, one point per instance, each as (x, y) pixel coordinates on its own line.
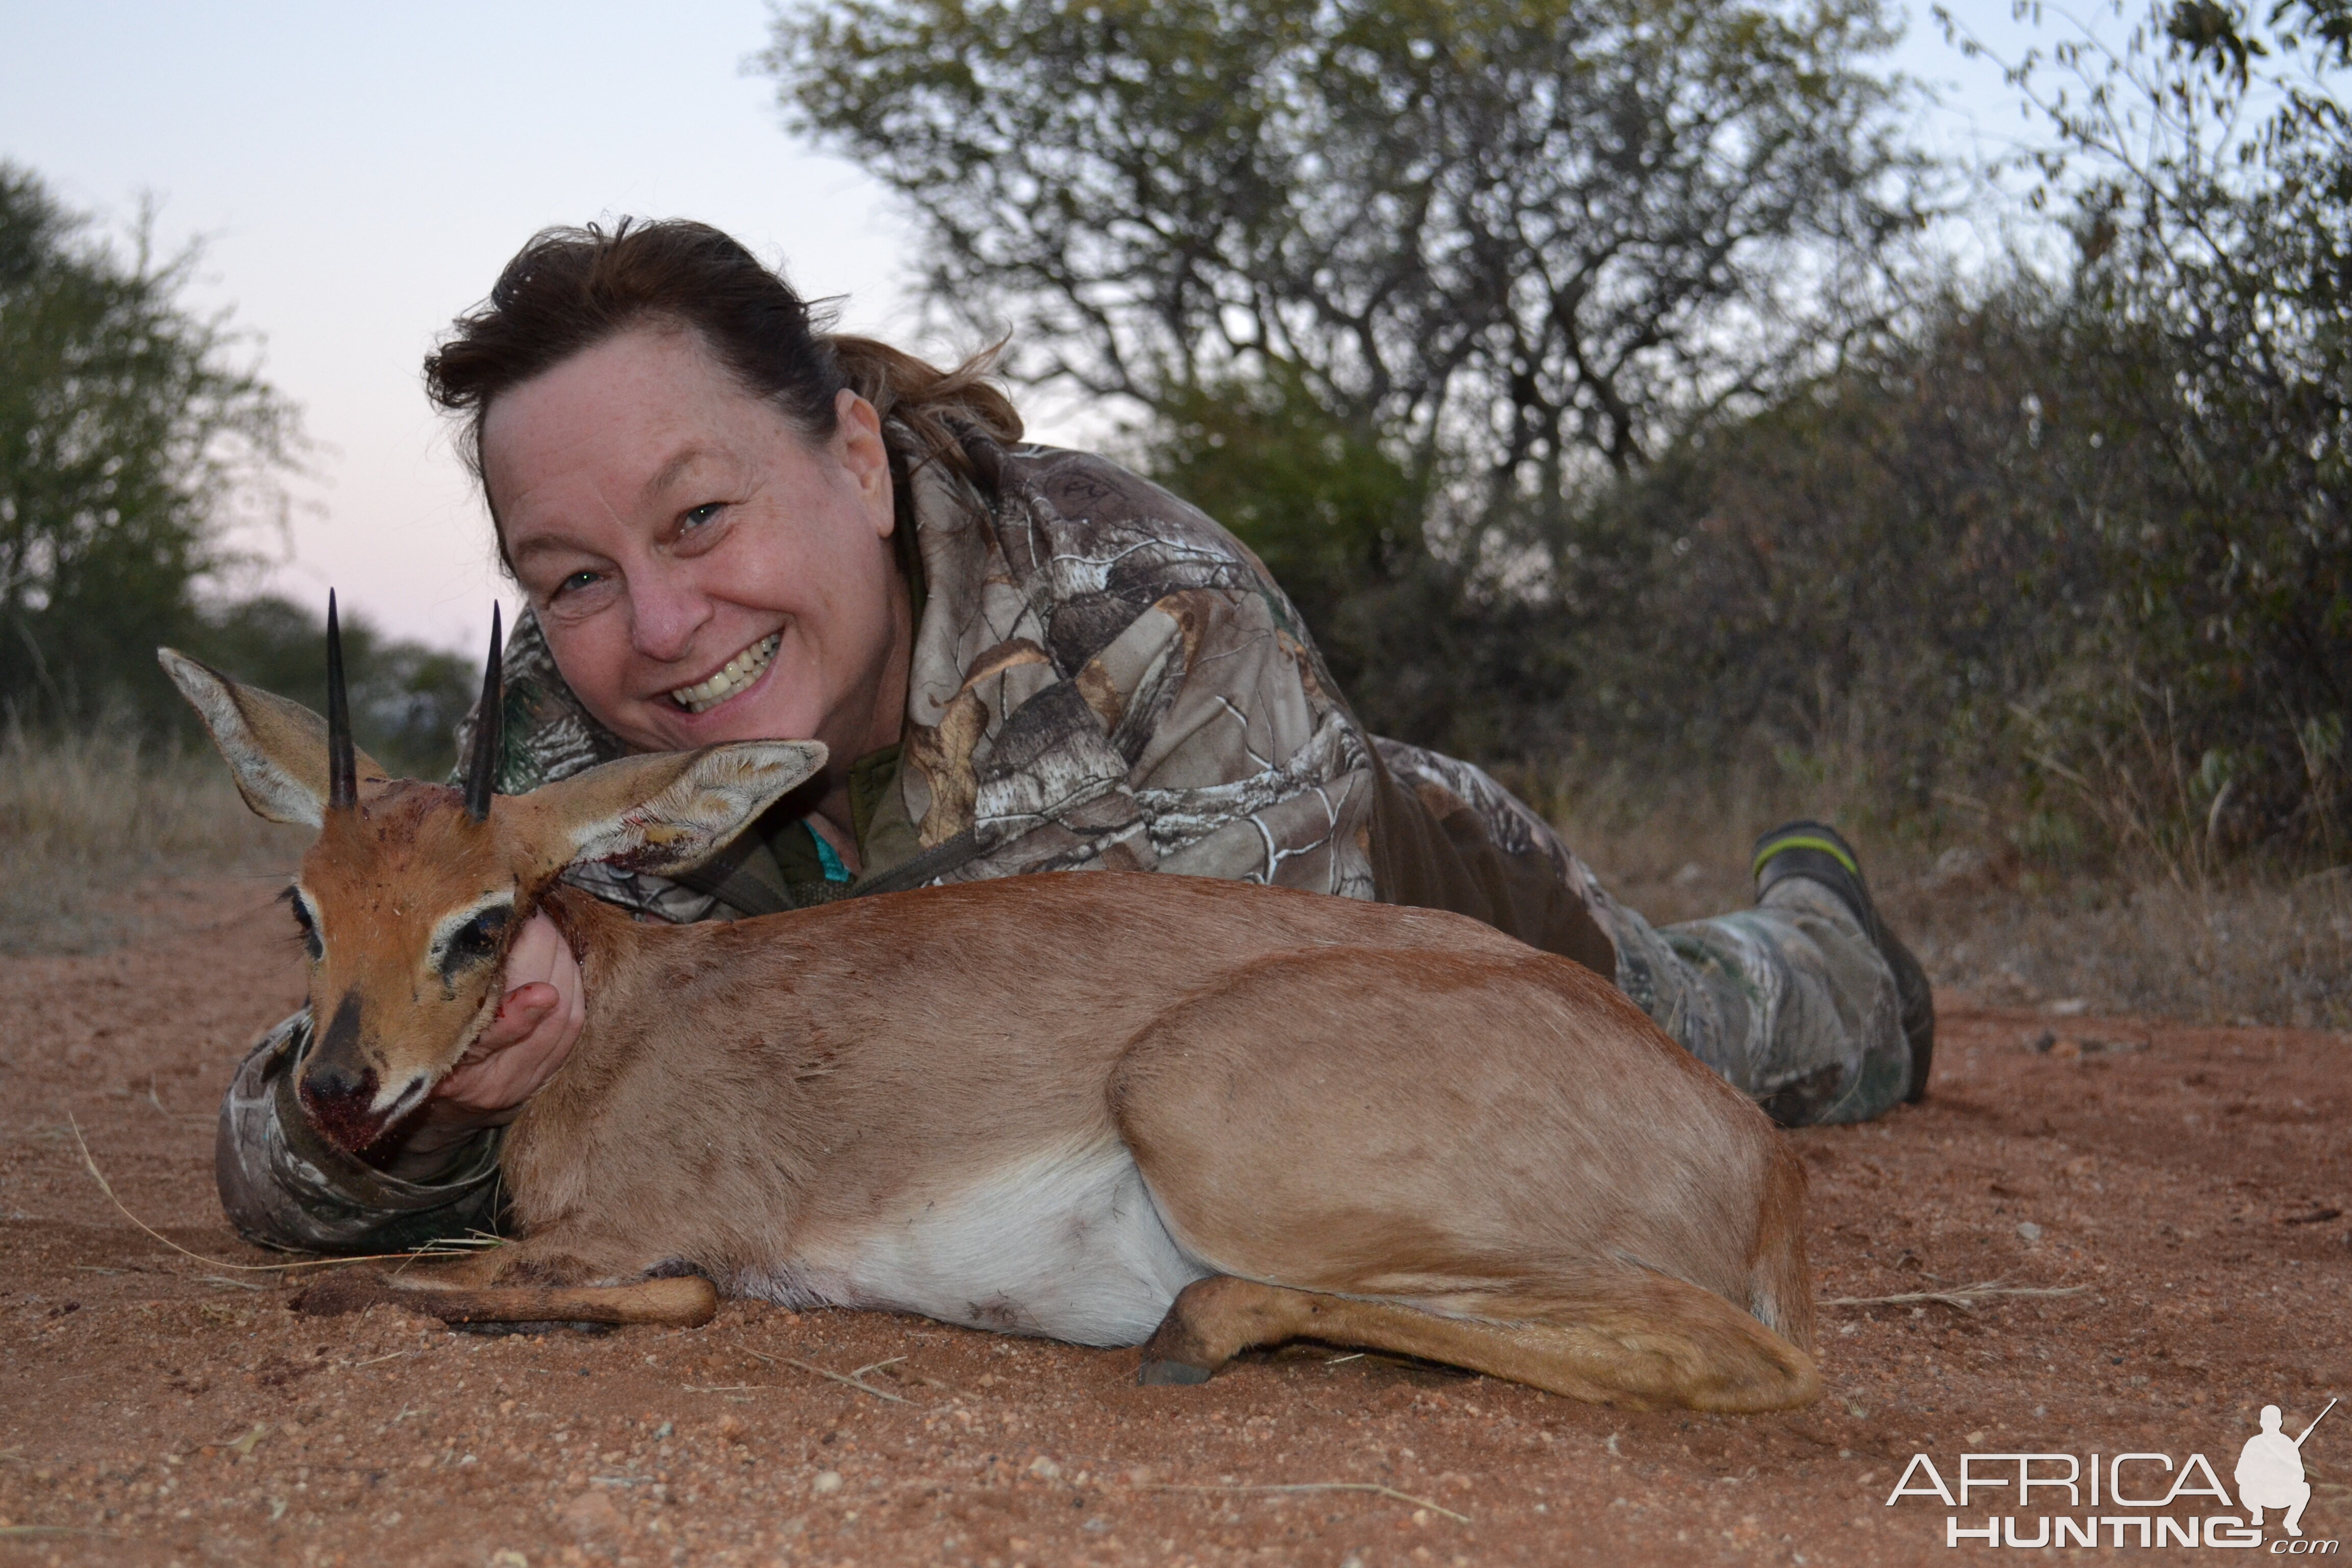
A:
(482, 758)
(342, 757)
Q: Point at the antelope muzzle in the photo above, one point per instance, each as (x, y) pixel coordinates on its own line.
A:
(339, 1088)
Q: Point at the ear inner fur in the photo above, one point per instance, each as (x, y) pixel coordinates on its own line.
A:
(664, 813)
(275, 749)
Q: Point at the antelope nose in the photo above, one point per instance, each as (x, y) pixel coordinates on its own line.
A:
(336, 1092)
(335, 1084)
(338, 1102)
(330, 1075)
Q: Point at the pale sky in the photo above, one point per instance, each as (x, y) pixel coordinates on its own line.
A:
(359, 174)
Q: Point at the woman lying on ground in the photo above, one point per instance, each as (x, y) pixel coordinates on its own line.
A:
(731, 525)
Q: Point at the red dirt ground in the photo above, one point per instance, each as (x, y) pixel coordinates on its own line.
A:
(157, 1410)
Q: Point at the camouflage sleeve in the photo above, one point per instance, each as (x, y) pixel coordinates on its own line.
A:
(1199, 739)
(285, 1186)
(1252, 769)
(1104, 678)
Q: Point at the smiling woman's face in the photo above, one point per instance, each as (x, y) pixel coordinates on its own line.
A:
(703, 572)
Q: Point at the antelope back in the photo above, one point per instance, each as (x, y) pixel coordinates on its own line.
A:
(410, 899)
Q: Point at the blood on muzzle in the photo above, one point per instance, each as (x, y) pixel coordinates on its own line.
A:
(337, 1089)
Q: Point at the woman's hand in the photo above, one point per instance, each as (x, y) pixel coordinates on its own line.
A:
(538, 1020)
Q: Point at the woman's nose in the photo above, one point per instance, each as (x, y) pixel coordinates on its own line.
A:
(666, 610)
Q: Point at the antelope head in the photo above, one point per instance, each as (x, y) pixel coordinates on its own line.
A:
(412, 893)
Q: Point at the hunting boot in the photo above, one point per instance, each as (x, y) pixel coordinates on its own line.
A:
(1816, 852)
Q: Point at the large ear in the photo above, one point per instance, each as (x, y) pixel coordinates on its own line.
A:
(276, 750)
(667, 811)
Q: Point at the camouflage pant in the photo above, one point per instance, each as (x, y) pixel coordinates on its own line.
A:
(1789, 1001)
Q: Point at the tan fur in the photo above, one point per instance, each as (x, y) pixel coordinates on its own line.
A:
(1383, 1126)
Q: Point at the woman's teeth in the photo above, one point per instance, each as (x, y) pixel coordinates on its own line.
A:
(740, 672)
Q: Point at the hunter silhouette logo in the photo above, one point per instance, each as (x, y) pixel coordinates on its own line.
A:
(2270, 1471)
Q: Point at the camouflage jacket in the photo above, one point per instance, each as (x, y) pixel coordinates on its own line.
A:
(1102, 677)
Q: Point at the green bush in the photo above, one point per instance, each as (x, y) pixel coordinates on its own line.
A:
(1982, 564)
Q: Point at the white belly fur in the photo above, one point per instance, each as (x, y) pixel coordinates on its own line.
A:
(1066, 1245)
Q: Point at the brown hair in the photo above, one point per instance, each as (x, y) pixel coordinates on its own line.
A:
(569, 290)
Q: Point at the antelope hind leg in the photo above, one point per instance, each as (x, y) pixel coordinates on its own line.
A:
(1658, 1343)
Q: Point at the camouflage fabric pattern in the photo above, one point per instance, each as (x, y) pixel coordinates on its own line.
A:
(1103, 678)
(1787, 1000)
(284, 1185)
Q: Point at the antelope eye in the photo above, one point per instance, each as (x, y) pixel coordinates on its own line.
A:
(310, 942)
(476, 940)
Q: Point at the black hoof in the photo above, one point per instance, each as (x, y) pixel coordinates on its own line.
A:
(1171, 1373)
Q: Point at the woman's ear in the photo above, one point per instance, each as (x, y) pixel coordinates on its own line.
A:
(857, 442)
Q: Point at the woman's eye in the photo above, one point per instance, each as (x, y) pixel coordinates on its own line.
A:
(700, 515)
(577, 581)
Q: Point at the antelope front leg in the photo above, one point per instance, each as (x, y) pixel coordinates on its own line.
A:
(534, 1281)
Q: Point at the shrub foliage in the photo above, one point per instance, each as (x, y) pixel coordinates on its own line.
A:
(1552, 356)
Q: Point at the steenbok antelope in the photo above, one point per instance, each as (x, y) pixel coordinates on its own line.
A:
(1110, 1109)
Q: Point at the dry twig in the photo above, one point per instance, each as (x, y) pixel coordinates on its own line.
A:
(1964, 1297)
(1373, 1487)
(434, 1250)
(853, 1379)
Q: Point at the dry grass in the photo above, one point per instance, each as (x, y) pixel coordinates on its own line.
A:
(86, 818)
(2225, 948)
(2238, 951)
